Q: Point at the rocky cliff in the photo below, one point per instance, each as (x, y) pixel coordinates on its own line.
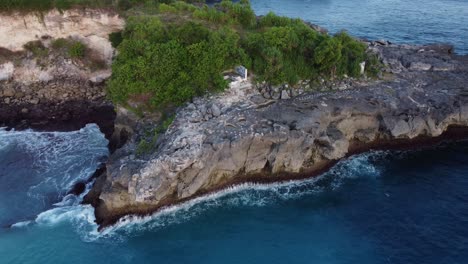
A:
(43, 88)
(88, 25)
(240, 136)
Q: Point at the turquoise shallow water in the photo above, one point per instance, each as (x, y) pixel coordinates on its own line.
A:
(380, 207)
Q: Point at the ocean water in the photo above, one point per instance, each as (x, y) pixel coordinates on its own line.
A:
(400, 21)
(378, 207)
(38, 169)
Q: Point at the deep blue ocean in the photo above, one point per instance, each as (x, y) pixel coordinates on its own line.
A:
(399, 21)
(378, 207)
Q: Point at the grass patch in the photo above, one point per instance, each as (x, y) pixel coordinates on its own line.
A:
(69, 48)
(36, 48)
(77, 50)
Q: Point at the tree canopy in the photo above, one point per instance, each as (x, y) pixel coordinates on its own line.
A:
(180, 51)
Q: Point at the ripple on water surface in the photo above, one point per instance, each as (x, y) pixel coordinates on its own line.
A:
(401, 21)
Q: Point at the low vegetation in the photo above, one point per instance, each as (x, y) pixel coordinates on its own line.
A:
(46, 51)
(175, 51)
(69, 48)
(45, 5)
(37, 48)
(148, 142)
(172, 51)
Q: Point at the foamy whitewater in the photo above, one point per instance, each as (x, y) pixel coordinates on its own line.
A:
(54, 149)
(378, 207)
(38, 169)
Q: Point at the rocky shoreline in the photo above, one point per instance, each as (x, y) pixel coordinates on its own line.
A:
(104, 220)
(44, 88)
(239, 136)
(62, 108)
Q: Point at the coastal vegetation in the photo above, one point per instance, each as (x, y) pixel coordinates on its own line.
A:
(172, 51)
(71, 48)
(176, 50)
(66, 48)
(149, 140)
(45, 5)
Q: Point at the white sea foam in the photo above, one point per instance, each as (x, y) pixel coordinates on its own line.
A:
(22, 224)
(57, 160)
(244, 195)
(250, 194)
(61, 158)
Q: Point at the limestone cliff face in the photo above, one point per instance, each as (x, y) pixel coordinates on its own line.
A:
(90, 26)
(239, 136)
(49, 90)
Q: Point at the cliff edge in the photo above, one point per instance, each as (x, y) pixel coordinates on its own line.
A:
(53, 68)
(240, 136)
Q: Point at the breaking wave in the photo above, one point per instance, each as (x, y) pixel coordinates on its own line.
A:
(244, 195)
(66, 150)
(39, 168)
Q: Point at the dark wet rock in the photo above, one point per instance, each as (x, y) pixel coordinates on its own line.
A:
(92, 197)
(78, 188)
(52, 116)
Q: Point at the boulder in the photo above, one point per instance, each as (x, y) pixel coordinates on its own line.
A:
(420, 66)
(215, 110)
(8, 92)
(6, 71)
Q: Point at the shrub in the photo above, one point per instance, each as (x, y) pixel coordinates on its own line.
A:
(170, 61)
(183, 6)
(148, 143)
(36, 48)
(353, 53)
(116, 38)
(69, 47)
(240, 12)
(373, 65)
(272, 20)
(77, 50)
(211, 15)
(165, 8)
(59, 43)
(124, 4)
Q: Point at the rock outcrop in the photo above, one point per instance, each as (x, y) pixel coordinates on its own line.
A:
(239, 136)
(44, 88)
(90, 26)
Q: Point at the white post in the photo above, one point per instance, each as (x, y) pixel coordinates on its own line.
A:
(363, 67)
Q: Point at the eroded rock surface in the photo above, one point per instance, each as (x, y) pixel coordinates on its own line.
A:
(44, 88)
(88, 25)
(239, 136)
